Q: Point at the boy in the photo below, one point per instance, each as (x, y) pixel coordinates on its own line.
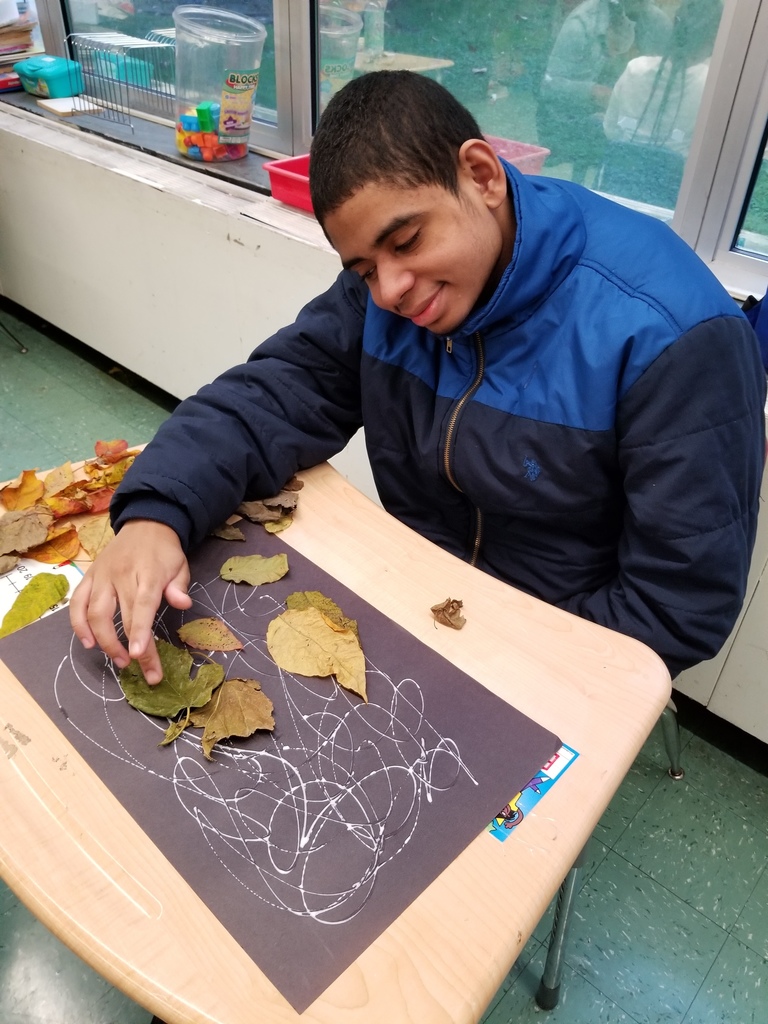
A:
(552, 387)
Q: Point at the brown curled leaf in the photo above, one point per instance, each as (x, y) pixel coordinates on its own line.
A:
(448, 613)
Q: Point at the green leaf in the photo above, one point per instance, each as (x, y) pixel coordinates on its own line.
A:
(254, 569)
(176, 690)
(41, 593)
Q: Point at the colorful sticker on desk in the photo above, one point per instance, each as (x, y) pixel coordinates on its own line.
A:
(507, 820)
(13, 582)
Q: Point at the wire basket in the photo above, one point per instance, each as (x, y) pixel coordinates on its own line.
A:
(125, 75)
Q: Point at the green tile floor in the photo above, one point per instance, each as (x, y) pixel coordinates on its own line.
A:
(671, 925)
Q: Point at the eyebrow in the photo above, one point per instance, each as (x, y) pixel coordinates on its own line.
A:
(394, 225)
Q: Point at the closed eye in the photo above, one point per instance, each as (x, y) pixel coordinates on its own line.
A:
(408, 243)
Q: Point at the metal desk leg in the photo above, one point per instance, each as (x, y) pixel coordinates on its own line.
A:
(671, 732)
(549, 986)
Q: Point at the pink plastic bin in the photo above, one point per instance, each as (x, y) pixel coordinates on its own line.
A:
(526, 157)
(289, 179)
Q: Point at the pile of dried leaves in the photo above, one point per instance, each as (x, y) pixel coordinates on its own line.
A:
(39, 521)
(312, 637)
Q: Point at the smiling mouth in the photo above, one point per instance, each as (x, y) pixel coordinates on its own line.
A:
(424, 315)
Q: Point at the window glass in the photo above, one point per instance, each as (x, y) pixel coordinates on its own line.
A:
(127, 50)
(753, 233)
(604, 92)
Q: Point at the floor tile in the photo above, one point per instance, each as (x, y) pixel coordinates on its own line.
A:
(638, 785)
(43, 982)
(22, 448)
(698, 848)
(735, 990)
(580, 1002)
(752, 925)
(723, 778)
(640, 945)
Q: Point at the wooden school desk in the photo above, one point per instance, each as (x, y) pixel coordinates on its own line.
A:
(80, 863)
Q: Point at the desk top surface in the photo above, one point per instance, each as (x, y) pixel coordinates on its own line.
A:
(78, 860)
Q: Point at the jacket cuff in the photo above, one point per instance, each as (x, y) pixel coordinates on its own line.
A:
(158, 511)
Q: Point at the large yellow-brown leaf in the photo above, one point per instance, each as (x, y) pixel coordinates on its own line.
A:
(23, 492)
(209, 634)
(237, 708)
(61, 546)
(41, 593)
(23, 529)
(95, 533)
(304, 598)
(305, 642)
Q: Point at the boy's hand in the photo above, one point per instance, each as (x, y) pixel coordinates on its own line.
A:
(142, 564)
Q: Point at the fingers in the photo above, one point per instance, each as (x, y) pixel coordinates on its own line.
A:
(92, 613)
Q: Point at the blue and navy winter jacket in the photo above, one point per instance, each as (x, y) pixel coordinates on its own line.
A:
(593, 434)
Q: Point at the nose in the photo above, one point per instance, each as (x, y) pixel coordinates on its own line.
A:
(393, 282)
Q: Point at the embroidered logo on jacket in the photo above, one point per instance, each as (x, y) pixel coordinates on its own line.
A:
(531, 467)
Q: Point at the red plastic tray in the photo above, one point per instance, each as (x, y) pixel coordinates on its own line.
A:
(289, 179)
(524, 155)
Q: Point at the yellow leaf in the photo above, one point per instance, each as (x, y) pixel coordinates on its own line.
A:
(95, 533)
(60, 547)
(41, 593)
(302, 641)
(24, 492)
(58, 479)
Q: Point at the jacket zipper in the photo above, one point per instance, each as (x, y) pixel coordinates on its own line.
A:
(449, 434)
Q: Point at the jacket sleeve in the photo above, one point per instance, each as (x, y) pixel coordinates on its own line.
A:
(691, 436)
(294, 404)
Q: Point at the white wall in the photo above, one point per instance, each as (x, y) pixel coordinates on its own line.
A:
(173, 274)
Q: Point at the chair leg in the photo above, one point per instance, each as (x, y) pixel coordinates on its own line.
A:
(671, 733)
(548, 992)
(22, 347)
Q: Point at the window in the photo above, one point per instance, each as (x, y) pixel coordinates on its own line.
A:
(660, 104)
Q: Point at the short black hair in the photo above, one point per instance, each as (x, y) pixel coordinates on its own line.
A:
(387, 126)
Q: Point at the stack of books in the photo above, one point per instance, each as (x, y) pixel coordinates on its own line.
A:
(18, 40)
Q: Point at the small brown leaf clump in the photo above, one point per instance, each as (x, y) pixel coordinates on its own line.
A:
(275, 513)
(448, 613)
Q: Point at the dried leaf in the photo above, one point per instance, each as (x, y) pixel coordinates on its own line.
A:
(23, 492)
(303, 641)
(69, 502)
(95, 534)
(109, 475)
(237, 708)
(259, 512)
(314, 598)
(209, 635)
(177, 690)
(449, 613)
(228, 531)
(254, 569)
(7, 562)
(110, 451)
(43, 591)
(59, 479)
(22, 530)
(275, 513)
(98, 501)
(278, 525)
(61, 546)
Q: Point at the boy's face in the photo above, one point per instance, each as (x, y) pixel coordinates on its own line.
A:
(426, 254)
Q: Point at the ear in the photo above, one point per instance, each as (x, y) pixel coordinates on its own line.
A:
(480, 167)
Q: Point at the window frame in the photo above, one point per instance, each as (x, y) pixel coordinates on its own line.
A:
(726, 142)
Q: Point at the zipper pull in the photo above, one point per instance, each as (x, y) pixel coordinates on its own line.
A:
(449, 345)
